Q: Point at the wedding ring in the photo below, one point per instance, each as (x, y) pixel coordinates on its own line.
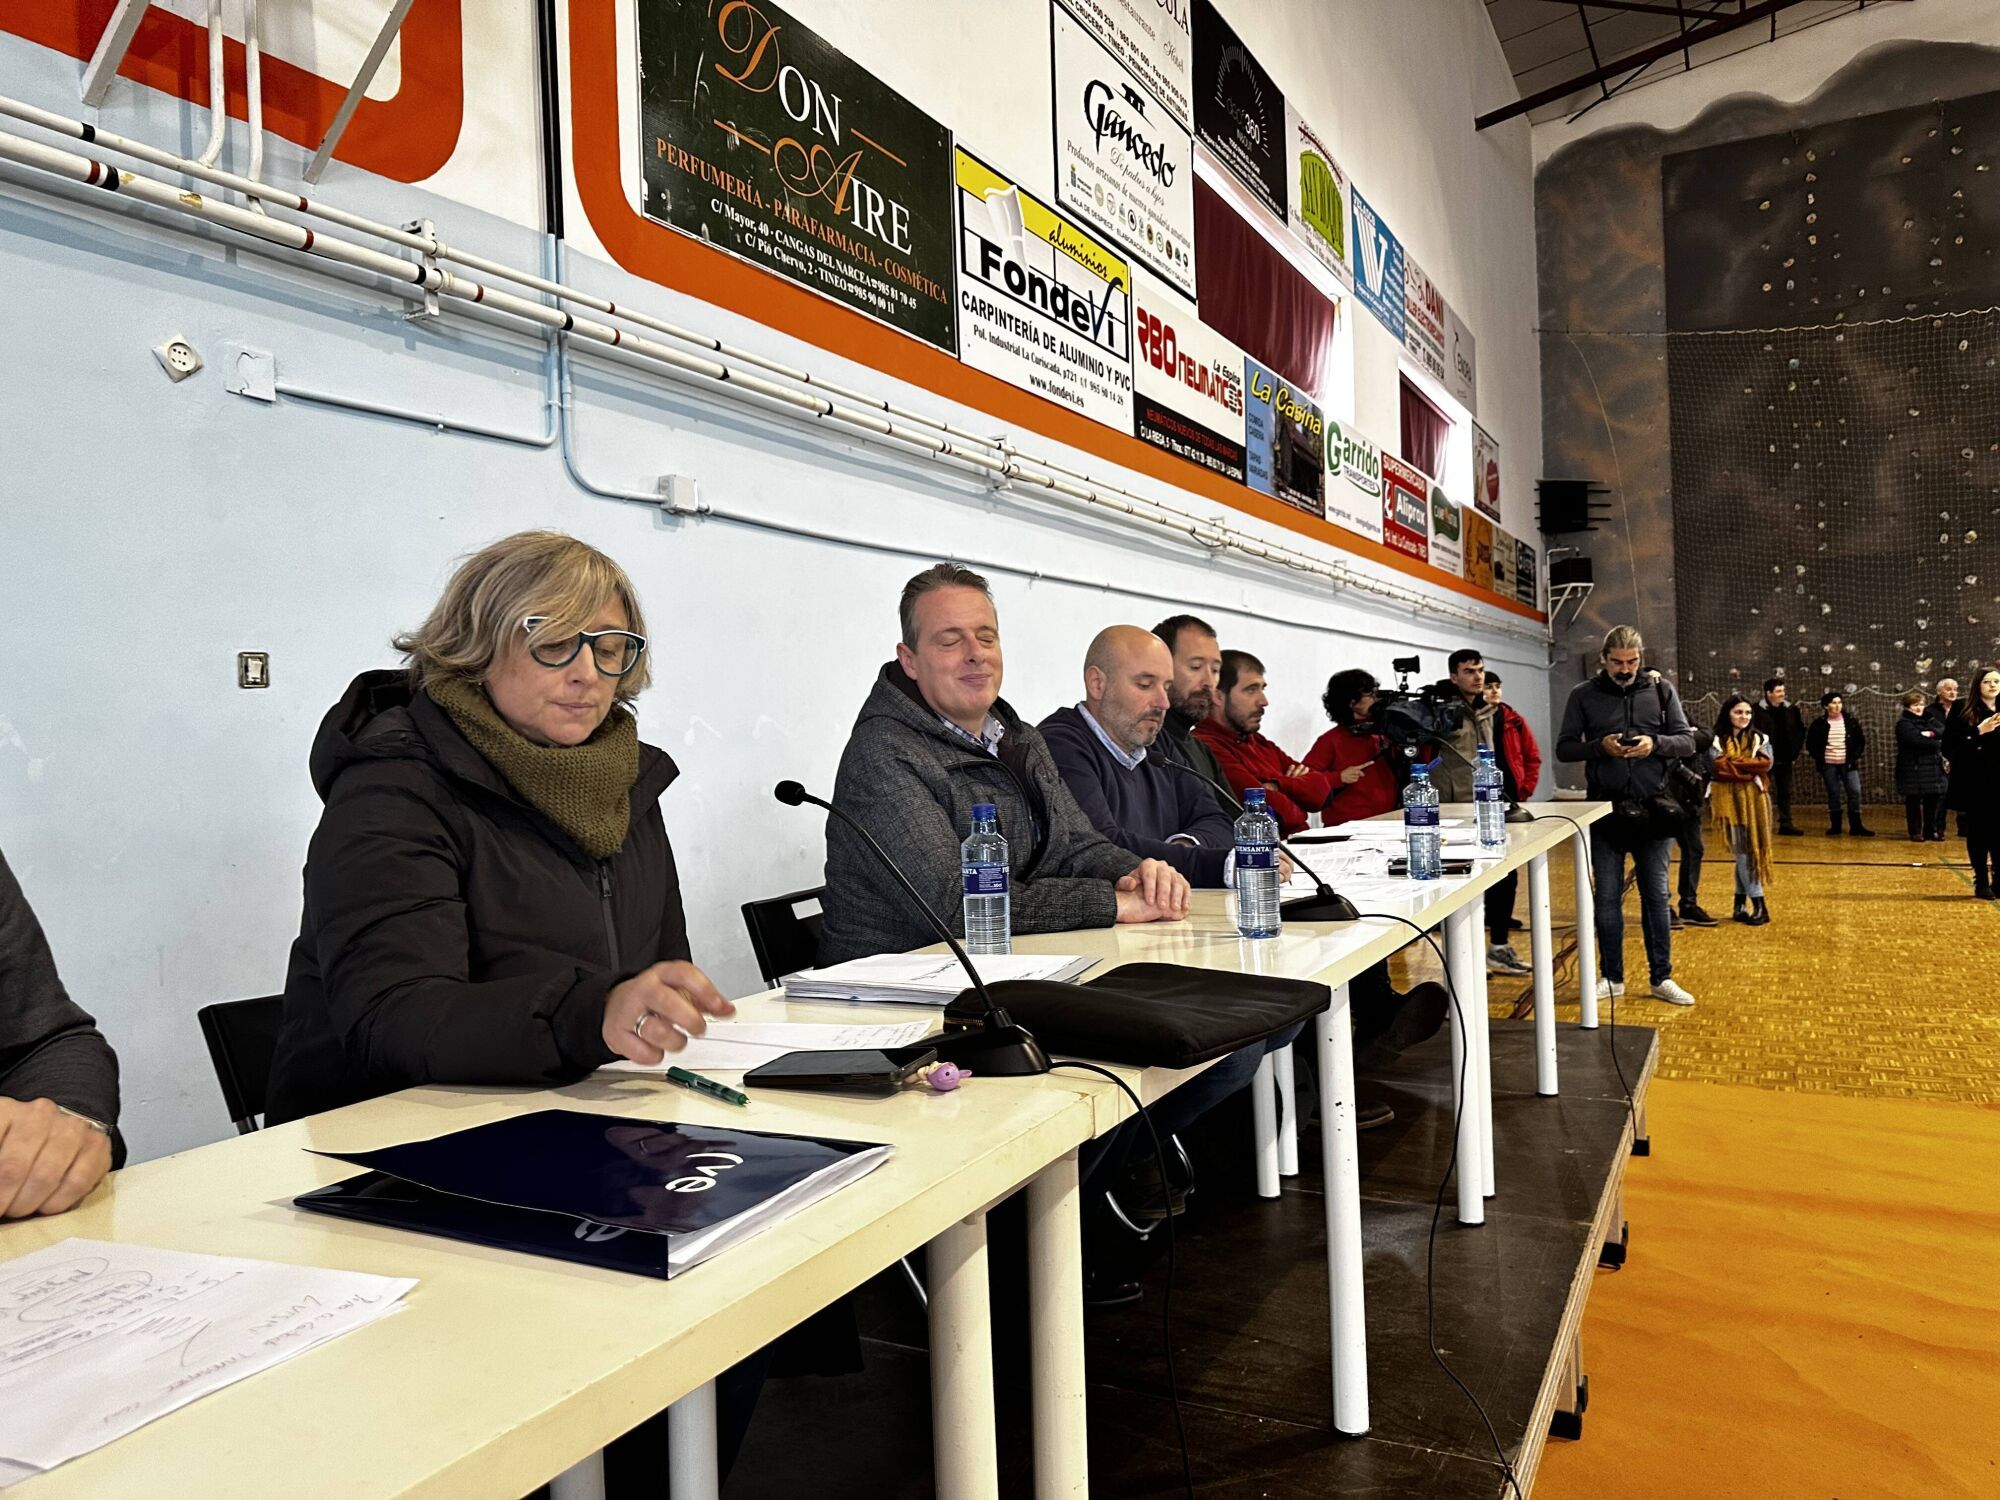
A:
(639, 1026)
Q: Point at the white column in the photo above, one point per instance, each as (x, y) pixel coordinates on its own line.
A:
(1055, 1327)
(692, 1471)
(1342, 1187)
(584, 1481)
(966, 1454)
(1288, 1113)
(1264, 1127)
(1586, 932)
(1467, 957)
(1544, 959)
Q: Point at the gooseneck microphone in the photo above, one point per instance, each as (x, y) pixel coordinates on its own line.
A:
(1324, 905)
(1000, 1048)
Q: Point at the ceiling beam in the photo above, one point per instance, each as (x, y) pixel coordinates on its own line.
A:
(1632, 5)
(1632, 60)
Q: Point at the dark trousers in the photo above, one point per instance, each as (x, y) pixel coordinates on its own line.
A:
(1689, 839)
(1500, 907)
(1840, 779)
(1982, 844)
(1925, 814)
(1781, 792)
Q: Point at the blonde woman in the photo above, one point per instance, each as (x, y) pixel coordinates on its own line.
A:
(1741, 799)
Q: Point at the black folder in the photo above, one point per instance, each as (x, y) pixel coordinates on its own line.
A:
(647, 1196)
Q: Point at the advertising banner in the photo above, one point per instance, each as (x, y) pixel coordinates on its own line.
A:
(1478, 549)
(1353, 481)
(1123, 163)
(1188, 393)
(1284, 440)
(1423, 319)
(759, 138)
(1485, 472)
(1504, 560)
(1378, 266)
(1447, 534)
(1461, 360)
(1526, 574)
(1319, 197)
(1406, 511)
(1152, 40)
(1042, 305)
(1238, 112)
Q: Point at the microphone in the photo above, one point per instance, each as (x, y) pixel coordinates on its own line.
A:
(1324, 905)
(1000, 1048)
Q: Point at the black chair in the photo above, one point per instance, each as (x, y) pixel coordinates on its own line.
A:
(783, 938)
(242, 1037)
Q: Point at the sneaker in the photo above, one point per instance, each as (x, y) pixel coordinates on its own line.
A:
(1104, 1287)
(1674, 922)
(1859, 832)
(1502, 959)
(1790, 831)
(1610, 989)
(1139, 1192)
(1672, 993)
(1694, 916)
(1372, 1114)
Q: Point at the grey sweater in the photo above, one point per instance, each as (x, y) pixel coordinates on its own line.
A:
(912, 783)
(49, 1048)
(1600, 707)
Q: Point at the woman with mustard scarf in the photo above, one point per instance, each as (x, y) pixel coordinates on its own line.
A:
(1742, 804)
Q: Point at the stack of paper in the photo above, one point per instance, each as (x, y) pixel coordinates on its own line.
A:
(923, 978)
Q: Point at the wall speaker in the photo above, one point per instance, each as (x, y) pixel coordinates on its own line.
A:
(1569, 505)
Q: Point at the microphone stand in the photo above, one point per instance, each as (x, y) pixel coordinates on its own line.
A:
(999, 1048)
(1324, 905)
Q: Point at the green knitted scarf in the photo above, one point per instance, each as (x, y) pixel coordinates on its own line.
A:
(585, 790)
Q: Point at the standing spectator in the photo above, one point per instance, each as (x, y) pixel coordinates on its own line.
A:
(1973, 748)
(1454, 757)
(1742, 804)
(1940, 712)
(1836, 743)
(1520, 756)
(1625, 730)
(1295, 792)
(1785, 727)
(1920, 768)
(1351, 753)
(1690, 797)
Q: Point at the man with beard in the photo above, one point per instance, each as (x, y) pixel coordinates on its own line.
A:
(1295, 791)
(1785, 727)
(1190, 692)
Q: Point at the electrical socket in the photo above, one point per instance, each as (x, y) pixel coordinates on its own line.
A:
(178, 358)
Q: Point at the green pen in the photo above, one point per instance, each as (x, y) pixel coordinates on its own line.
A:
(709, 1086)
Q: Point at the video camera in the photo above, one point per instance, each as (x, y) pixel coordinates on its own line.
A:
(1405, 719)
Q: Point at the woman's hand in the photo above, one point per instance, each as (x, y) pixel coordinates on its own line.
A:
(644, 1017)
(1990, 723)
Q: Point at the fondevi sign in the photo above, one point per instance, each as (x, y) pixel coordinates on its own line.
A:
(767, 142)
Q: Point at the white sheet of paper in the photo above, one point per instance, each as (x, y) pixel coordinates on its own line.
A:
(735, 1045)
(98, 1339)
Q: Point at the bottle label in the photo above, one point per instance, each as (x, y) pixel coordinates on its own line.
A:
(1420, 817)
(985, 880)
(1256, 856)
(1489, 794)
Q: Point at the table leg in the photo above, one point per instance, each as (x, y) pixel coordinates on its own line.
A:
(962, 1431)
(1586, 932)
(1544, 955)
(1288, 1113)
(1055, 1326)
(692, 1471)
(1482, 1047)
(1342, 1187)
(581, 1481)
(1465, 955)
(1264, 1127)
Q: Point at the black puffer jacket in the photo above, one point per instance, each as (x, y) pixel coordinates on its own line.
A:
(1975, 763)
(452, 934)
(1919, 755)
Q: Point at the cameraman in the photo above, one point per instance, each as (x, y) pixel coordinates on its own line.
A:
(1456, 754)
(1626, 729)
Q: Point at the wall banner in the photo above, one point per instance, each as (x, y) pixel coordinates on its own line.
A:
(1238, 112)
(1123, 163)
(1526, 573)
(796, 159)
(1319, 197)
(1461, 360)
(1478, 549)
(1447, 534)
(1353, 481)
(1284, 439)
(1423, 320)
(1378, 266)
(1188, 394)
(1152, 39)
(1485, 471)
(1406, 510)
(1041, 304)
(1504, 561)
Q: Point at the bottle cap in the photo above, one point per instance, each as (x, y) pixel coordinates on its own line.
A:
(1253, 797)
(984, 812)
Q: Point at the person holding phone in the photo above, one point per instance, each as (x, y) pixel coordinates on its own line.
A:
(1972, 745)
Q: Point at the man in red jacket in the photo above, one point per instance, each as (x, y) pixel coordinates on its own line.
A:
(1520, 756)
(1295, 791)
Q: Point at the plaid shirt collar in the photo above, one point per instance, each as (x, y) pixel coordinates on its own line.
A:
(990, 733)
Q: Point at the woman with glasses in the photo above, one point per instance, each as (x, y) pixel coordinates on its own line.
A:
(490, 897)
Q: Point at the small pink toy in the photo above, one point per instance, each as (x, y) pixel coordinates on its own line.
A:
(944, 1076)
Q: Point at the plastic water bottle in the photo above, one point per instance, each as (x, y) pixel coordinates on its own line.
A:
(1489, 800)
(1257, 868)
(1420, 826)
(983, 859)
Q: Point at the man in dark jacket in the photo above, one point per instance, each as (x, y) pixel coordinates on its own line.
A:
(1626, 730)
(58, 1076)
(1197, 658)
(1104, 749)
(1785, 727)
